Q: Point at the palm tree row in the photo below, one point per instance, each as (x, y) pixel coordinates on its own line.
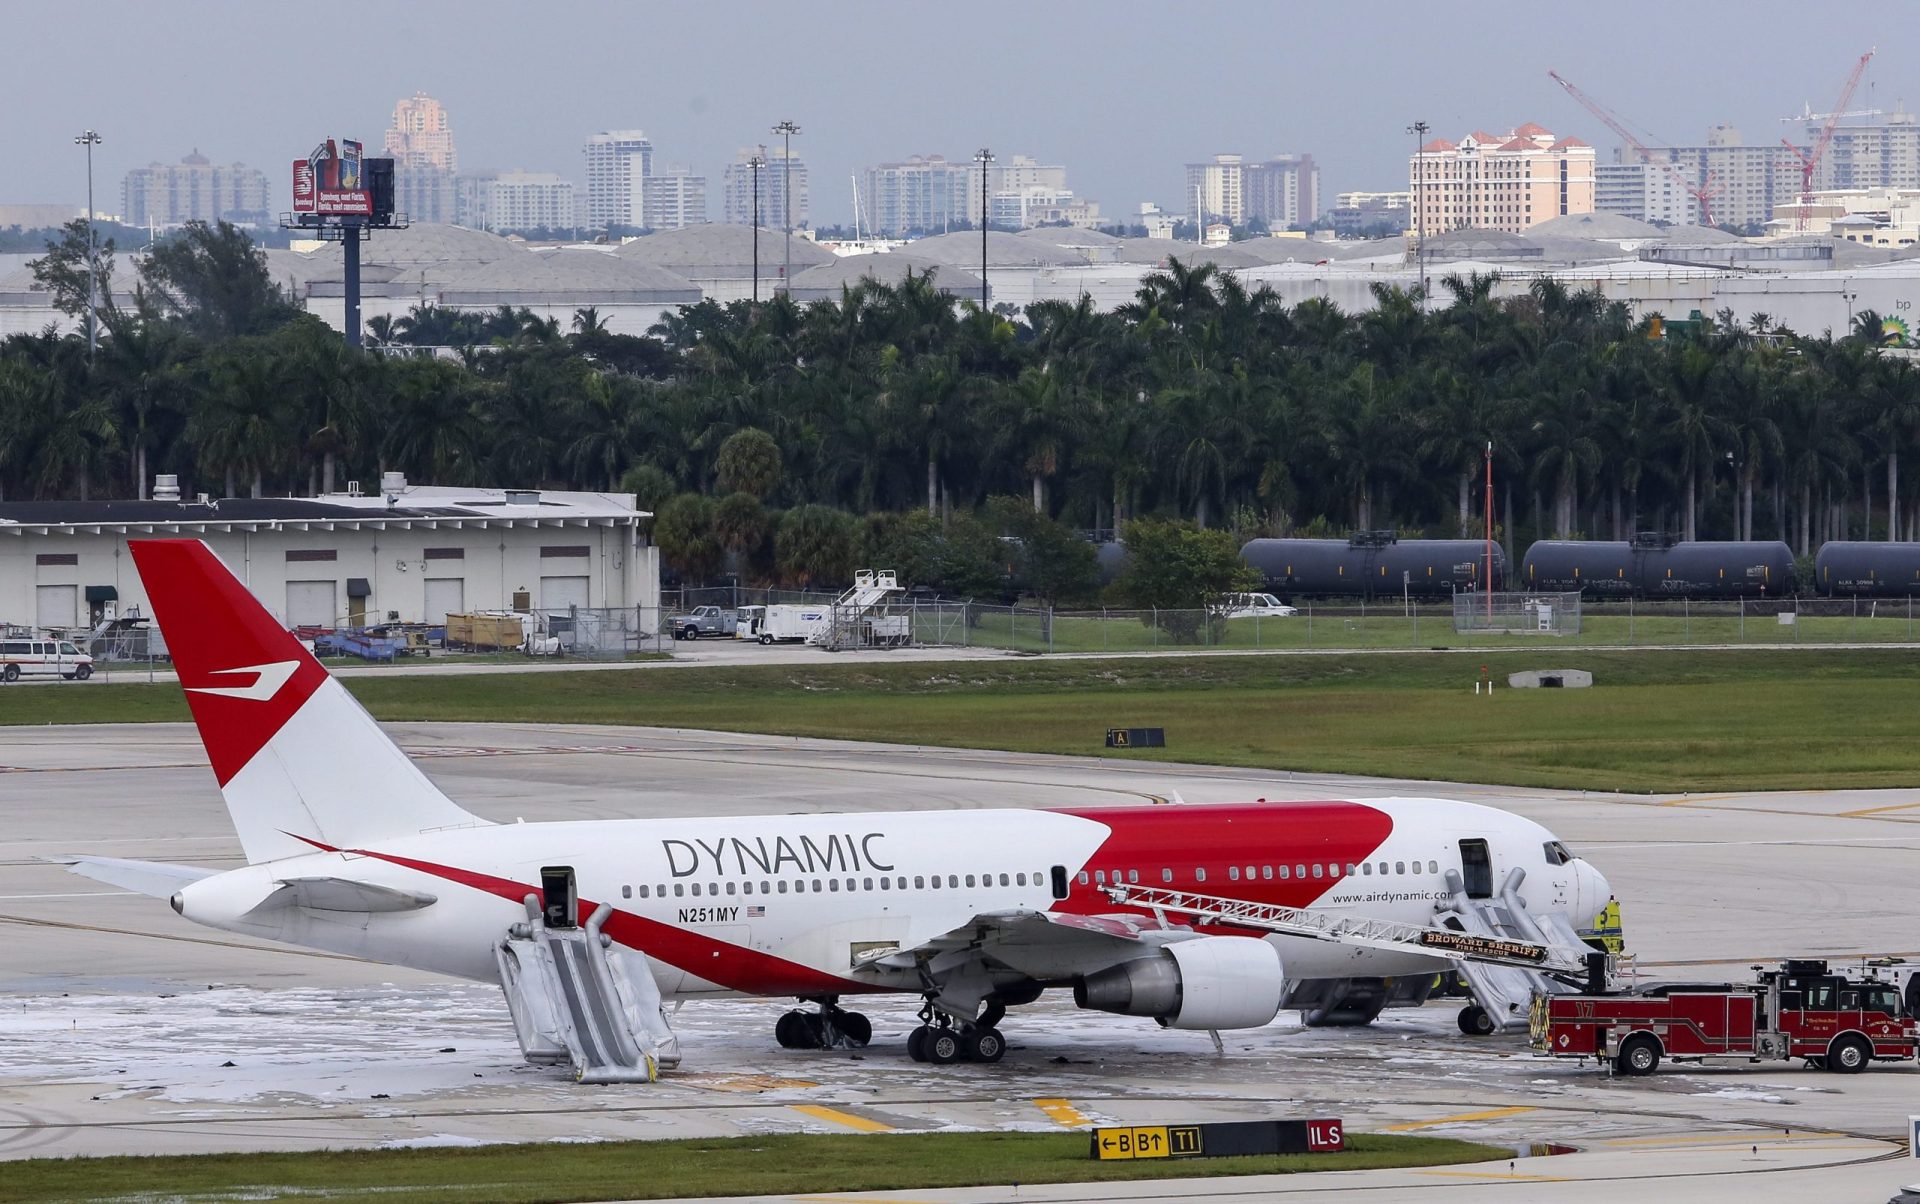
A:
(1200, 399)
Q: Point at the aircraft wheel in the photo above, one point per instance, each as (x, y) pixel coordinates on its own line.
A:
(917, 1043)
(1849, 1055)
(944, 1047)
(1475, 1022)
(791, 1031)
(986, 1045)
(1639, 1056)
(992, 1014)
(855, 1027)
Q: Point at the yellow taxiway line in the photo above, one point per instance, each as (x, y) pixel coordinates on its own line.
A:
(835, 1116)
(1457, 1119)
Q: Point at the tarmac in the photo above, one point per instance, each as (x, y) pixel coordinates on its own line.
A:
(124, 1029)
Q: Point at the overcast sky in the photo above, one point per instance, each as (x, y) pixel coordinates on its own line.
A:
(1122, 93)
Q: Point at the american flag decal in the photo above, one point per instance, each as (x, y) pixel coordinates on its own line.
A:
(752, 912)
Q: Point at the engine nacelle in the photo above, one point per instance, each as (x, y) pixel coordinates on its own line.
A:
(1209, 982)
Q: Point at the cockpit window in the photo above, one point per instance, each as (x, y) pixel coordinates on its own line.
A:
(1557, 853)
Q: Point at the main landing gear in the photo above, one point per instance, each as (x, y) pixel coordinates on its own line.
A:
(828, 1028)
(943, 1041)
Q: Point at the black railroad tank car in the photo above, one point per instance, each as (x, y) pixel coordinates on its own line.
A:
(1371, 565)
(1856, 568)
(1657, 567)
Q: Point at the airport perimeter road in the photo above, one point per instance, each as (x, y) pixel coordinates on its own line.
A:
(118, 1019)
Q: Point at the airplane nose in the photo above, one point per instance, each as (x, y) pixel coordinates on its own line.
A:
(1591, 892)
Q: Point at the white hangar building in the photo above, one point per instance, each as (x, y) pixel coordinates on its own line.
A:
(416, 552)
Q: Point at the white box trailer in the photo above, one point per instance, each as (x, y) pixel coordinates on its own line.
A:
(785, 623)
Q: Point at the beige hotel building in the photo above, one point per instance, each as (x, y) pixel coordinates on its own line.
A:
(1495, 182)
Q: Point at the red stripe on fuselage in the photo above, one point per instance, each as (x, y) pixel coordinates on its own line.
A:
(729, 966)
(1182, 839)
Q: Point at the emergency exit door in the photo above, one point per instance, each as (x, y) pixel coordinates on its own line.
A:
(1476, 868)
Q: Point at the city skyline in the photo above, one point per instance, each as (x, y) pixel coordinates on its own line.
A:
(1120, 150)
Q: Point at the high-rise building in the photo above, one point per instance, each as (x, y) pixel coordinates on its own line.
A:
(194, 190)
(472, 194)
(529, 200)
(421, 146)
(675, 197)
(1214, 190)
(1645, 192)
(1494, 182)
(1357, 214)
(925, 194)
(1283, 191)
(1880, 153)
(1746, 182)
(736, 188)
(618, 165)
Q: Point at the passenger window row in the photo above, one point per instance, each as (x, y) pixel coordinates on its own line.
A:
(801, 886)
(1269, 873)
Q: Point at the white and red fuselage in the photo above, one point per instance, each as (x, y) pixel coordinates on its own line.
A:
(353, 850)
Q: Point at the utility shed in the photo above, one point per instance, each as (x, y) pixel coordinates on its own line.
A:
(412, 553)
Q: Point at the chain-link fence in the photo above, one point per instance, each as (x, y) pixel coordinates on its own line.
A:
(1494, 613)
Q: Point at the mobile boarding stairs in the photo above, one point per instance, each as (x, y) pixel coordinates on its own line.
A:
(576, 999)
(859, 618)
(1507, 954)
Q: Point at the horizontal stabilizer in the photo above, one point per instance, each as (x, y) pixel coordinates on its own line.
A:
(154, 878)
(344, 894)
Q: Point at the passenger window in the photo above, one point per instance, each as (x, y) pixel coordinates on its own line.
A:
(1266, 871)
(833, 884)
(766, 888)
(729, 888)
(1003, 879)
(643, 890)
(885, 884)
(1383, 869)
(1020, 879)
(1283, 873)
(1367, 868)
(1083, 877)
(1233, 873)
(679, 889)
(1133, 875)
(1319, 871)
(1166, 875)
(1433, 867)
(969, 879)
(1399, 867)
(1250, 873)
(900, 883)
(816, 886)
(1300, 871)
(1350, 868)
(1200, 874)
(953, 882)
(919, 883)
(867, 883)
(1099, 877)
(783, 886)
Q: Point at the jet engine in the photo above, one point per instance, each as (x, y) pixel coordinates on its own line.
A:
(1208, 982)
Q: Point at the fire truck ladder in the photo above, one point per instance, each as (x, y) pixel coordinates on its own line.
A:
(1506, 959)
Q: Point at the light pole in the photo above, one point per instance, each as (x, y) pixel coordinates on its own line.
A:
(983, 157)
(787, 130)
(91, 140)
(754, 164)
(1417, 206)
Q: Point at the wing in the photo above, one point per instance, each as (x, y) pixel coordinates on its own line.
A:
(1043, 946)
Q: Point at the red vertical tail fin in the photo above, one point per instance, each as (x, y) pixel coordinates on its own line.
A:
(297, 758)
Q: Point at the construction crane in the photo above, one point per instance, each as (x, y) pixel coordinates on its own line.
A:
(1702, 191)
(1810, 159)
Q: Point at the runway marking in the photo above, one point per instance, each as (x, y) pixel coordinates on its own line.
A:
(1458, 1118)
(1062, 1112)
(744, 1082)
(1863, 812)
(1514, 1175)
(1725, 1138)
(836, 1117)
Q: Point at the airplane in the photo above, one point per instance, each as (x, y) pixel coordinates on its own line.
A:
(351, 849)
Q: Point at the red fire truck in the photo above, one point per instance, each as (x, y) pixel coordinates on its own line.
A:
(1796, 1011)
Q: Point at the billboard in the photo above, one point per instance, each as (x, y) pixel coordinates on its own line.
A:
(327, 182)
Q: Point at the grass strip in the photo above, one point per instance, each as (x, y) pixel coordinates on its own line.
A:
(735, 1166)
(1654, 721)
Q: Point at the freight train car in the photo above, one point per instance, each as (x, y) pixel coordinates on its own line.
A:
(1373, 564)
(1854, 568)
(1656, 566)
